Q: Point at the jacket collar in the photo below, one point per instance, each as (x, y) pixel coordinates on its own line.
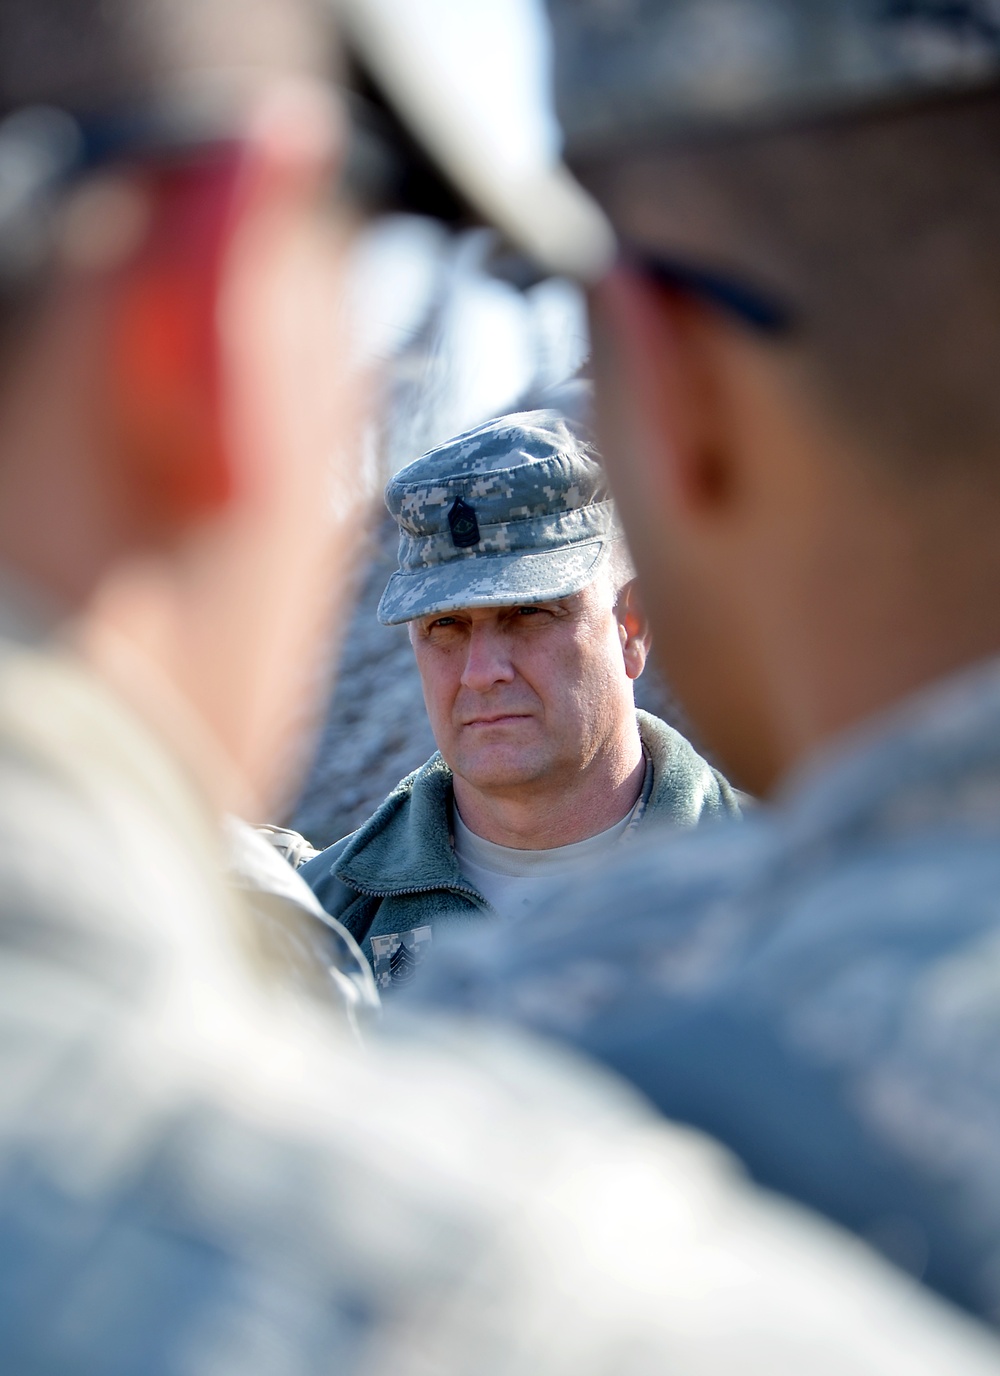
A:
(406, 845)
(674, 771)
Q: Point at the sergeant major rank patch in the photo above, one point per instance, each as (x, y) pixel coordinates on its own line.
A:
(463, 524)
(397, 956)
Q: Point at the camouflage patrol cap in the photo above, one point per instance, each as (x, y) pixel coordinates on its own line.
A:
(516, 510)
(629, 70)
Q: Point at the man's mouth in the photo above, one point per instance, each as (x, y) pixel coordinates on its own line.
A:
(497, 719)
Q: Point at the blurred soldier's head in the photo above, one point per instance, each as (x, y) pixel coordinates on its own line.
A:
(797, 354)
(170, 367)
(517, 589)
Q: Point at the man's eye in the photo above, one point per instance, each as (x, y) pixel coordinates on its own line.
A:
(442, 622)
(529, 612)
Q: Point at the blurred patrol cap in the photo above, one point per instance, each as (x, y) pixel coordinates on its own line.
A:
(630, 71)
(634, 71)
(538, 206)
(516, 510)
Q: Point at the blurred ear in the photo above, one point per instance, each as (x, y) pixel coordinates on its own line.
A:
(167, 384)
(633, 628)
(165, 380)
(663, 355)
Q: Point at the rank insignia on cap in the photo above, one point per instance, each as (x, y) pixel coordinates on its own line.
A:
(463, 524)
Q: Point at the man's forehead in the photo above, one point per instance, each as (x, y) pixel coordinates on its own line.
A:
(489, 613)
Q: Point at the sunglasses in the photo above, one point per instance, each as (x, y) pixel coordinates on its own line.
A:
(754, 307)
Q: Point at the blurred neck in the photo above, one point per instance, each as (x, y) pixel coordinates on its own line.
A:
(892, 595)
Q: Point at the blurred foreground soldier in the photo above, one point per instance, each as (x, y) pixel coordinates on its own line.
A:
(518, 593)
(797, 362)
(313, 953)
(198, 1174)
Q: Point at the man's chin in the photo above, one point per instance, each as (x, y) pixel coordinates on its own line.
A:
(499, 770)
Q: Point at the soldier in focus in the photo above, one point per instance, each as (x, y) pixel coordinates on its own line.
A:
(520, 600)
(796, 384)
(198, 1172)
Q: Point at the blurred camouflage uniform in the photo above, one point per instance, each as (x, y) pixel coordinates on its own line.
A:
(514, 510)
(819, 987)
(313, 950)
(199, 1173)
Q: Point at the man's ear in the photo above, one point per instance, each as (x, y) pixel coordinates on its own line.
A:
(166, 388)
(165, 381)
(633, 629)
(667, 393)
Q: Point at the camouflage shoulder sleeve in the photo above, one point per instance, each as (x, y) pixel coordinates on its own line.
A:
(320, 874)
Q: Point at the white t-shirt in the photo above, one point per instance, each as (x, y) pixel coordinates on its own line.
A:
(511, 880)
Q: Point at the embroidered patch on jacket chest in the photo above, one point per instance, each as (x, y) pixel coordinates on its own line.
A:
(397, 956)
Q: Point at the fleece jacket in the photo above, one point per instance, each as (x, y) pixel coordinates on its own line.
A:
(396, 879)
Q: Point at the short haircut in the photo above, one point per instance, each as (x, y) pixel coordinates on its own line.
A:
(92, 55)
(619, 568)
(883, 234)
(114, 57)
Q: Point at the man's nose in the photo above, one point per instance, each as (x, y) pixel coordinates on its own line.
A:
(487, 660)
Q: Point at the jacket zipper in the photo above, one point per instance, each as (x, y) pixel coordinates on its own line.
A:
(428, 888)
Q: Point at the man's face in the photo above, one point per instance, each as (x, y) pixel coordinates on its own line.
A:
(528, 694)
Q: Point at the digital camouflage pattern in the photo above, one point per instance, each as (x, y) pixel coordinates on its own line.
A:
(629, 70)
(202, 1174)
(313, 953)
(818, 987)
(533, 492)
